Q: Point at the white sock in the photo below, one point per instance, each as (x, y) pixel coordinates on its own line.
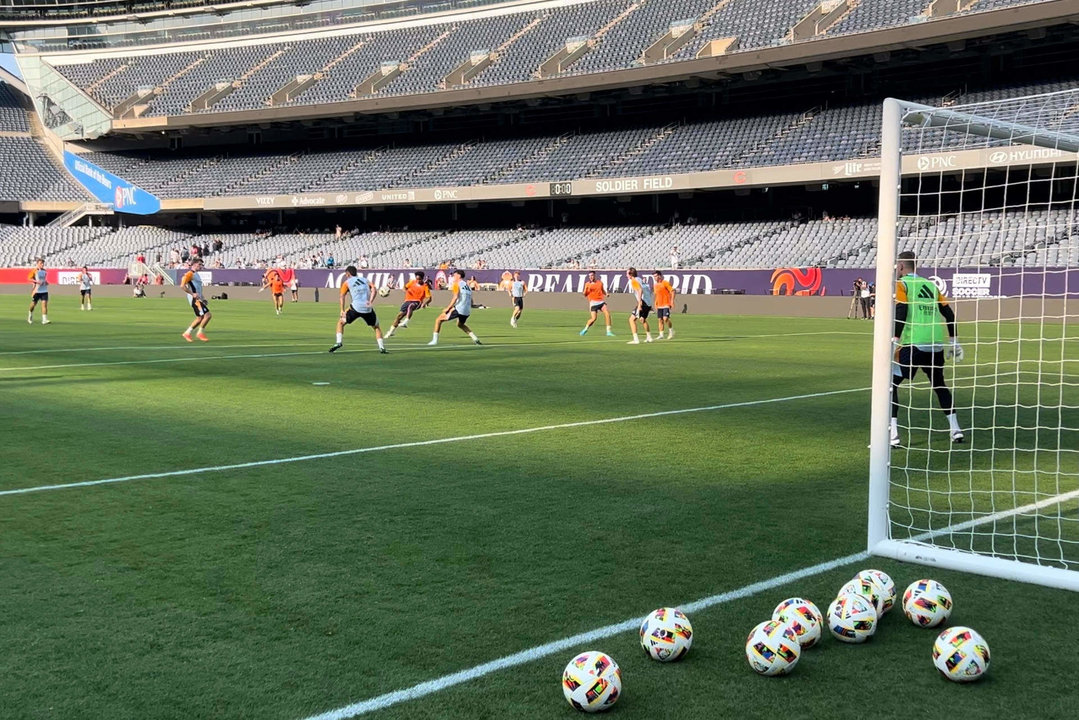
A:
(473, 336)
(434, 337)
(608, 328)
(187, 332)
(404, 323)
(89, 306)
(29, 317)
(44, 318)
(648, 336)
(339, 338)
(953, 423)
(380, 345)
(635, 336)
(895, 427)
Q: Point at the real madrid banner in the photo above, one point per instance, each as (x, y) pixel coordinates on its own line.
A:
(115, 192)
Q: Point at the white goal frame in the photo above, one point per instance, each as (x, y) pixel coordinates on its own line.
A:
(897, 114)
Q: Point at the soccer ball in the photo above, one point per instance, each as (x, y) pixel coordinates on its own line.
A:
(852, 618)
(666, 634)
(867, 587)
(927, 603)
(592, 681)
(803, 616)
(772, 648)
(886, 584)
(383, 291)
(961, 654)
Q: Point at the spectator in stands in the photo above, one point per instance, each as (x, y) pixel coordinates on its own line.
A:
(408, 263)
(218, 245)
(330, 261)
(364, 262)
(184, 256)
(195, 251)
(205, 249)
(338, 232)
(174, 257)
(674, 258)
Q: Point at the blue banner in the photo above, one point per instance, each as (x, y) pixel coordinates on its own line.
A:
(115, 192)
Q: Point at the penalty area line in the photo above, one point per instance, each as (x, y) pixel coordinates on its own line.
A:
(424, 443)
(575, 641)
(580, 640)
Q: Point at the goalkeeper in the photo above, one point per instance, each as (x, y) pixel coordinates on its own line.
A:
(922, 315)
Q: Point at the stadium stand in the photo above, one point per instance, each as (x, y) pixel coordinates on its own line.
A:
(507, 47)
(13, 116)
(1042, 237)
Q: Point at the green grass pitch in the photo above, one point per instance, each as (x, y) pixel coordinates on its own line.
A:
(288, 589)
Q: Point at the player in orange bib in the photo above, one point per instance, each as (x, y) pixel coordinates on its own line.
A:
(272, 279)
(664, 303)
(597, 302)
(417, 295)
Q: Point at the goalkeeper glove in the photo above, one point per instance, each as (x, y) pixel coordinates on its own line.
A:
(954, 351)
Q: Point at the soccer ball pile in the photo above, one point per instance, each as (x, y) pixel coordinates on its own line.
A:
(592, 681)
(775, 646)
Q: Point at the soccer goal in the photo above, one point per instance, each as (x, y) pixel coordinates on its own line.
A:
(984, 195)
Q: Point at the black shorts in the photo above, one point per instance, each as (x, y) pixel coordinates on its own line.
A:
(85, 292)
(454, 315)
(597, 307)
(37, 297)
(911, 359)
(663, 312)
(410, 307)
(368, 317)
(200, 308)
(280, 294)
(642, 313)
(519, 302)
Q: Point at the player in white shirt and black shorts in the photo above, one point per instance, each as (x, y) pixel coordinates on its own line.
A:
(86, 282)
(357, 297)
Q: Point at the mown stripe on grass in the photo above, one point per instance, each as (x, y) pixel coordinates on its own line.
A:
(422, 443)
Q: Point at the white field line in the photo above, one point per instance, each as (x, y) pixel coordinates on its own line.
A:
(575, 641)
(581, 640)
(394, 348)
(422, 443)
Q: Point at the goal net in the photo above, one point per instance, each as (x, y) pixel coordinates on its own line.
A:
(984, 195)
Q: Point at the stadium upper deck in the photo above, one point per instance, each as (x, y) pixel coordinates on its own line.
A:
(510, 49)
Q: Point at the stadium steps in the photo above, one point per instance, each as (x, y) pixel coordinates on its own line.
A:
(263, 63)
(851, 5)
(639, 149)
(525, 235)
(268, 170)
(526, 160)
(807, 117)
(71, 217)
(350, 165)
(341, 58)
(596, 250)
(501, 50)
(92, 87)
(181, 72)
(441, 161)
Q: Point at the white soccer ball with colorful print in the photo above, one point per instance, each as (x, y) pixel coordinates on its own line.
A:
(384, 291)
(886, 584)
(961, 654)
(772, 648)
(592, 682)
(927, 603)
(666, 634)
(851, 618)
(867, 587)
(803, 616)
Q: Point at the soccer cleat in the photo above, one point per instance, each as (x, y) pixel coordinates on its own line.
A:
(634, 341)
(584, 331)
(81, 307)
(648, 339)
(433, 342)
(381, 351)
(610, 334)
(404, 323)
(187, 336)
(957, 437)
(202, 337)
(336, 347)
(391, 331)
(46, 322)
(670, 335)
(513, 323)
(476, 341)
(31, 320)
(895, 442)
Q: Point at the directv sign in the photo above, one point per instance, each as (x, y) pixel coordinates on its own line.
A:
(115, 192)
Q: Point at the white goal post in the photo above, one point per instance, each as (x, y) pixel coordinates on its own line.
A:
(984, 194)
